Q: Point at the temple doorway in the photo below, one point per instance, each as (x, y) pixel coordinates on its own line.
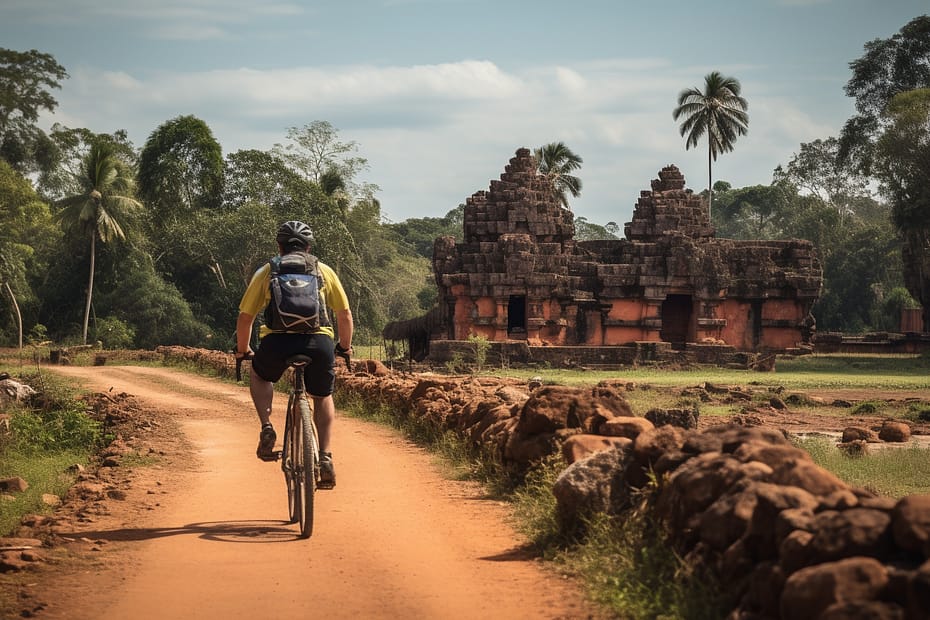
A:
(516, 316)
(676, 319)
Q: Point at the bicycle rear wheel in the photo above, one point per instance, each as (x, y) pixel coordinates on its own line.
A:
(306, 465)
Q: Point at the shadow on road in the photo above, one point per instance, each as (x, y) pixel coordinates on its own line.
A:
(523, 553)
(220, 531)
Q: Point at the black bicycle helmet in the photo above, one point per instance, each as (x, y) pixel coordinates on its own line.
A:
(294, 234)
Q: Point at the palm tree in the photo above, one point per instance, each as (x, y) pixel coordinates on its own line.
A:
(719, 112)
(105, 198)
(556, 162)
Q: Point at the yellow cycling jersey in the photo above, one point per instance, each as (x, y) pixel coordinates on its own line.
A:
(258, 295)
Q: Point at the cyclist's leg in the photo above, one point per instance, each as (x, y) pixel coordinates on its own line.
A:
(320, 378)
(267, 367)
(324, 414)
(262, 396)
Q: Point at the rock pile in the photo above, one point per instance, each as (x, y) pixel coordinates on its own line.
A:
(789, 538)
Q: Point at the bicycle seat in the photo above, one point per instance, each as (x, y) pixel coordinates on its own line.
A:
(298, 360)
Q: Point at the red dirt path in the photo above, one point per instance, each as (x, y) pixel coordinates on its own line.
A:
(201, 534)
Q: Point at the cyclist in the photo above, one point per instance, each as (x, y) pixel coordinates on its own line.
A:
(275, 346)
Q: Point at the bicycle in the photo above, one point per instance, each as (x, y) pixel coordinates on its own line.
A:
(300, 451)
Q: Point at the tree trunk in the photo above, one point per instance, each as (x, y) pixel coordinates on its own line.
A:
(710, 183)
(19, 317)
(90, 281)
(915, 254)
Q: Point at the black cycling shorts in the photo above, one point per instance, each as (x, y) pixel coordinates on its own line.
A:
(319, 376)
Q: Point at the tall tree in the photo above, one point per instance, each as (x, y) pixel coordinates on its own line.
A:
(557, 162)
(258, 176)
(26, 79)
(181, 180)
(719, 112)
(888, 67)
(318, 155)
(816, 169)
(97, 211)
(28, 238)
(902, 164)
(181, 170)
(72, 146)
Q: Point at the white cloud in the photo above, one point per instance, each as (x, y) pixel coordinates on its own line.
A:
(436, 133)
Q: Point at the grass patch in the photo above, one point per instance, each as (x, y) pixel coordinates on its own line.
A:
(893, 472)
(44, 473)
(629, 568)
(135, 459)
(47, 436)
(818, 371)
(917, 412)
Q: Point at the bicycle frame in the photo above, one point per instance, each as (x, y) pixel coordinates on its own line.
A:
(300, 455)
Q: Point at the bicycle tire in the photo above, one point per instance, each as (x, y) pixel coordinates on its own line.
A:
(291, 448)
(306, 465)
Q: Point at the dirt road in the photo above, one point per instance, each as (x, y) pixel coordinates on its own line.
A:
(202, 533)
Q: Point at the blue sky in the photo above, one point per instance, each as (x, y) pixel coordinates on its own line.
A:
(439, 94)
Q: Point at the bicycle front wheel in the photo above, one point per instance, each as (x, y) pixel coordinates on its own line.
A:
(307, 466)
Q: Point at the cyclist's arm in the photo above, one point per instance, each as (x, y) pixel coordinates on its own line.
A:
(346, 326)
(244, 334)
(253, 301)
(337, 300)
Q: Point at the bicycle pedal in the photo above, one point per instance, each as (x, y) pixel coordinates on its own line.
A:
(271, 458)
(330, 484)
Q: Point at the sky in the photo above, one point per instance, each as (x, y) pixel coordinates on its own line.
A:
(439, 94)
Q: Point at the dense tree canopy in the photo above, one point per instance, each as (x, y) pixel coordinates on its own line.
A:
(422, 232)
(28, 239)
(817, 170)
(888, 67)
(26, 79)
(181, 170)
(902, 164)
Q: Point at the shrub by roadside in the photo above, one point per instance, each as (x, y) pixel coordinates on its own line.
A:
(49, 434)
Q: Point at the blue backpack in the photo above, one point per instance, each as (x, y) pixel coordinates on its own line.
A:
(295, 304)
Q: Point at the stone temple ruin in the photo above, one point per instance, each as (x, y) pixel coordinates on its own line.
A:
(521, 280)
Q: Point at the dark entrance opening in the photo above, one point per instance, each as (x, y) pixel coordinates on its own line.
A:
(516, 316)
(676, 319)
(755, 320)
(450, 332)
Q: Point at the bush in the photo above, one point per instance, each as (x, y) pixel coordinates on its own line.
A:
(38, 334)
(114, 333)
(54, 430)
(54, 421)
(480, 346)
(890, 316)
